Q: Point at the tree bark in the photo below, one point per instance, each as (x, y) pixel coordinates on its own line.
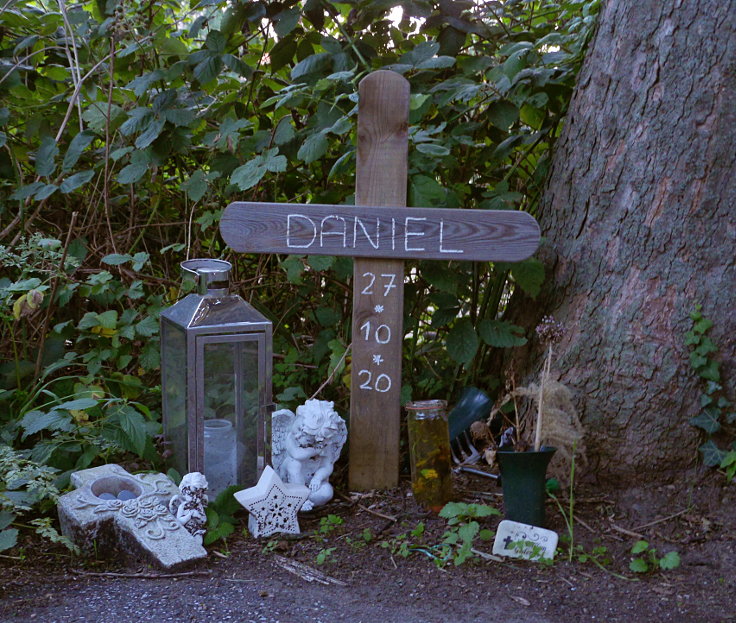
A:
(639, 216)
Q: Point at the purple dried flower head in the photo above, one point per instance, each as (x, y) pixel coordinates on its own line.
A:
(550, 331)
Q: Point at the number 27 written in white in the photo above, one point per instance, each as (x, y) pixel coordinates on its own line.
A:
(389, 283)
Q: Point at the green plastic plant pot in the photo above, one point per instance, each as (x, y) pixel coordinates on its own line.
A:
(524, 475)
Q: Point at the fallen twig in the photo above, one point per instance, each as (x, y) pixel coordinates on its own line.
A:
(376, 513)
(144, 576)
(486, 555)
(636, 535)
(663, 519)
(238, 580)
(365, 508)
(310, 574)
(585, 525)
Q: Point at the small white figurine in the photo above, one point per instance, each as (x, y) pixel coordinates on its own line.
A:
(188, 506)
(305, 447)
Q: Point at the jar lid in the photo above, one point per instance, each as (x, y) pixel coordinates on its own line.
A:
(416, 405)
(426, 409)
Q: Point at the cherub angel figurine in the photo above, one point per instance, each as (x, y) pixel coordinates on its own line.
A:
(189, 504)
(305, 447)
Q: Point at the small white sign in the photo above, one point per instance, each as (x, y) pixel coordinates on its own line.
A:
(519, 540)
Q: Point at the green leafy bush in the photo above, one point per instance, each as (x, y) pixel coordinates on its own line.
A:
(23, 485)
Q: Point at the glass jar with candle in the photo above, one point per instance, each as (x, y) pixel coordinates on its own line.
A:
(429, 452)
(220, 462)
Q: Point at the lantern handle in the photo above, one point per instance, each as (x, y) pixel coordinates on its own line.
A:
(206, 272)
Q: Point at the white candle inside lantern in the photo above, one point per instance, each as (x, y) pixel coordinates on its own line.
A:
(220, 463)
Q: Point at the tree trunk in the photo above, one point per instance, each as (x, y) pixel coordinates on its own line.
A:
(639, 215)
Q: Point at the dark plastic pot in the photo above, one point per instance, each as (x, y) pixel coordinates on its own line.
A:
(523, 476)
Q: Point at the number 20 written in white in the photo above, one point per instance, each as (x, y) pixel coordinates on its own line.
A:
(381, 385)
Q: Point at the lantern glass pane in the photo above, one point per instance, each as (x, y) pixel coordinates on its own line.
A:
(231, 409)
(174, 383)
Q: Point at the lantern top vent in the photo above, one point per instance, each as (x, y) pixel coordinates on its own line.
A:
(209, 274)
(213, 309)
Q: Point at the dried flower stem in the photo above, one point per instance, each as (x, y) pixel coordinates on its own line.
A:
(545, 373)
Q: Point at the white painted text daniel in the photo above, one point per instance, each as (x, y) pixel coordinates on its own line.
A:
(410, 233)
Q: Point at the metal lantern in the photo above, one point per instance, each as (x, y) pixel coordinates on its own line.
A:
(216, 354)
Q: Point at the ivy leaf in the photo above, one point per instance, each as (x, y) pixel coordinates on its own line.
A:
(45, 156)
(712, 454)
(708, 420)
(462, 341)
(501, 333)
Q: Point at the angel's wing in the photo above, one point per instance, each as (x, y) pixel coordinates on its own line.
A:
(339, 440)
(280, 424)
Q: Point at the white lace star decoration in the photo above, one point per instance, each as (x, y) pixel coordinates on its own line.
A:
(272, 505)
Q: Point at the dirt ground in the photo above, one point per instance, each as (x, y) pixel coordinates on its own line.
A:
(366, 578)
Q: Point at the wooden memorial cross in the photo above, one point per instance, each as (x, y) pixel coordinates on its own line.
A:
(380, 232)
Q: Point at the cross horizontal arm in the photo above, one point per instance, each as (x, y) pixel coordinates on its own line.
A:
(380, 232)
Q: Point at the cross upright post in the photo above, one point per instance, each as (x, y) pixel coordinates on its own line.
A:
(378, 287)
